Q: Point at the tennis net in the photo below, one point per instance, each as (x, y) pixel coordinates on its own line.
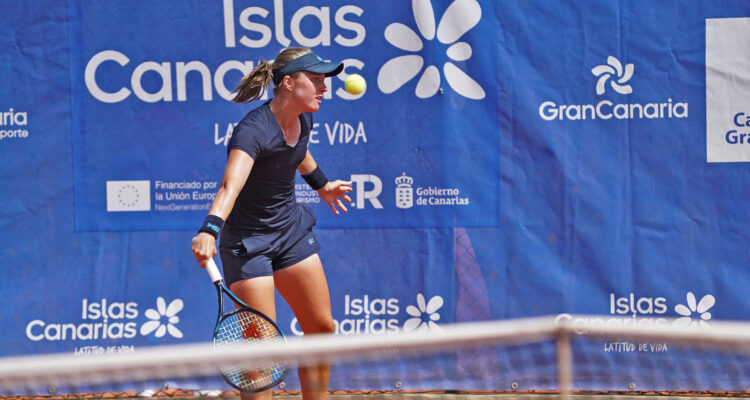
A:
(554, 356)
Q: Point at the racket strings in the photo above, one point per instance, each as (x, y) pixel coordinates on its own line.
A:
(248, 327)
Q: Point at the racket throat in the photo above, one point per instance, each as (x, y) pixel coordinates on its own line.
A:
(221, 302)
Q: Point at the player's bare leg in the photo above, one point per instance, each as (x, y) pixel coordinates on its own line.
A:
(305, 288)
(257, 293)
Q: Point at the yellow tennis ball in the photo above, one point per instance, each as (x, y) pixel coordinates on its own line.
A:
(355, 84)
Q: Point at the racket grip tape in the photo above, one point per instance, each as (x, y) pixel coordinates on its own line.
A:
(213, 270)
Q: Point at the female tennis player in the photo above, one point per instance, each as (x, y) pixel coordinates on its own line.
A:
(266, 237)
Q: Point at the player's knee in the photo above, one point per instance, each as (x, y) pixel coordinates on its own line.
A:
(329, 326)
(321, 325)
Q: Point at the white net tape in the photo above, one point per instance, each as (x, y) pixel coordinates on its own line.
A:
(536, 354)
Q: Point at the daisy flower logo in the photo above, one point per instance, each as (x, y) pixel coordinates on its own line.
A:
(459, 18)
(700, 308)
(424, 315)
(163, 319)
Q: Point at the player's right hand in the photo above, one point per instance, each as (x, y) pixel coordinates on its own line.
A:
(203, 247)
(333, 192)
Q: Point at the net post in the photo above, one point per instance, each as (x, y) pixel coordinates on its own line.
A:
(564, 363)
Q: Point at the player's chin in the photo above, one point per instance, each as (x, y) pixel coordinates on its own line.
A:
(314, 106)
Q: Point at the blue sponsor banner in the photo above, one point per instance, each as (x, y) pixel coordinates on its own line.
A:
(154, 117)
(509, 159)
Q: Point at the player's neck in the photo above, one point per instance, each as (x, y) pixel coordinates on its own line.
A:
(284, 111)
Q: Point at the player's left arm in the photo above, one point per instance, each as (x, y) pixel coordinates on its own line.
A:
(330, 191)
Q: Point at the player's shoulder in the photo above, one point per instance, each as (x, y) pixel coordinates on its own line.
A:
(256, 122)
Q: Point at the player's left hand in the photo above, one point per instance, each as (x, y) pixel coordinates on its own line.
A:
(333, 192)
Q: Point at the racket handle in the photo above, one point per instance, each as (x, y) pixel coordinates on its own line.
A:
(213, 271)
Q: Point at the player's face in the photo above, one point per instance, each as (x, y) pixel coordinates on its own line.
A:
(308, 90)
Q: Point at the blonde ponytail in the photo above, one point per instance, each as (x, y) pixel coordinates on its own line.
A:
(254, 85)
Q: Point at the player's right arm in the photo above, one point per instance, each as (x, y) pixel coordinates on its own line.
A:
(239, 165)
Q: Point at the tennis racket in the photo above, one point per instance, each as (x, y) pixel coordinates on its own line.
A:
(245, 325)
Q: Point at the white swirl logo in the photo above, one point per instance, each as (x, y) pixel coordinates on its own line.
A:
(611, 70)
(459, 18)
